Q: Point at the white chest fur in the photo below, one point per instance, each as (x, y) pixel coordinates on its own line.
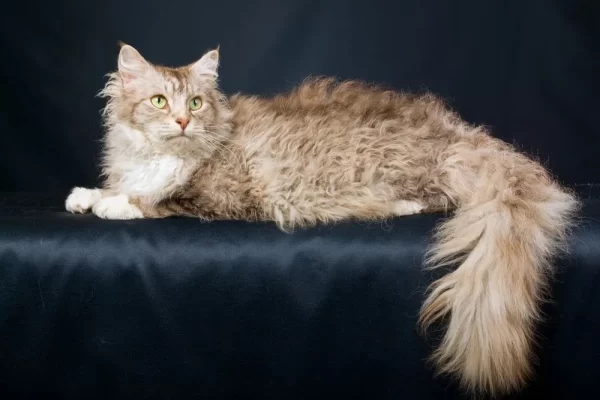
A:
(154, 178)
(137, 170)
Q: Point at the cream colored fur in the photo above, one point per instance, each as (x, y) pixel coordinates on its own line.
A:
(81, 200)
(330, 151)
(116, 207)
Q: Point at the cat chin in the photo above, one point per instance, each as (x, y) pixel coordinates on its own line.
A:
(180, 146)
(178, 138)
(175, 140)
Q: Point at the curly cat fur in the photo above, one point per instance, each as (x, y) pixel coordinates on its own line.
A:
(329, 151)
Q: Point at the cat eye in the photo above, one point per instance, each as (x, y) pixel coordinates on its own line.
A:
(158, 101)
(195, 103)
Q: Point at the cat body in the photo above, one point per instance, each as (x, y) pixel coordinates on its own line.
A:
(329, 151)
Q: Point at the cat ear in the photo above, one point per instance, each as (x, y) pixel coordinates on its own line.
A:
(207, 65)
(131, 64)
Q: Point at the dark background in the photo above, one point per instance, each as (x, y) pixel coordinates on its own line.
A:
(527, 69)
(96, 305)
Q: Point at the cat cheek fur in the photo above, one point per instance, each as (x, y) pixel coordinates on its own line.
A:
(329, 151)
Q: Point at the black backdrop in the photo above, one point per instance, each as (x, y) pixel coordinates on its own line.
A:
(524, 68)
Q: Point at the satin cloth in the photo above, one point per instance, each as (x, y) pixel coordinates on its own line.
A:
(177, 309)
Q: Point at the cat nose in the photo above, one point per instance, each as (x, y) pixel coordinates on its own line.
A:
(183, 122)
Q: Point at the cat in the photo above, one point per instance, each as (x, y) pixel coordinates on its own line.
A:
(333, 150)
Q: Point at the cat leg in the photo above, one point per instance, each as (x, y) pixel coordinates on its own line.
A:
(407, 207)
(125, 207)
(117, 207)
(170, 207)
(81, 200)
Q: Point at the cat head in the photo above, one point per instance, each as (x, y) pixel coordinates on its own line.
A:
(174, 109)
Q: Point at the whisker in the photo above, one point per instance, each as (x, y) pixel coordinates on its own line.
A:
(225, 138)
(213, 147)
(218, 144)
(241, 163)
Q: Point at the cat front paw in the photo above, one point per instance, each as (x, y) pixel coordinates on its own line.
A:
(116, 207)
(81, 200)
(407, 207)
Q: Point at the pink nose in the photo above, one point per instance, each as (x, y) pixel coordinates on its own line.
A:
(183, 122)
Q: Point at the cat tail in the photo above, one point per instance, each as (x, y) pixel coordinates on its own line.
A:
(512, 218)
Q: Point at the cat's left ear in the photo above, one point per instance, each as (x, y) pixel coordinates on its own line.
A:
(208, 65)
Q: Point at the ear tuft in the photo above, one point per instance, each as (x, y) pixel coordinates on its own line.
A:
(208, 65)
(131, 64)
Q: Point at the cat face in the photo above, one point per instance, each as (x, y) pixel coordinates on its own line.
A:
(177, 107)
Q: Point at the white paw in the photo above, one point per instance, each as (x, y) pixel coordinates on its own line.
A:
(81, 200)
(116, 207)
(407, 207)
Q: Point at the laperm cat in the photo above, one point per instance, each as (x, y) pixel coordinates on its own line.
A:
(329, 151)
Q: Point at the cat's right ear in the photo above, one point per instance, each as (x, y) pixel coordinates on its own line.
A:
(131, 64)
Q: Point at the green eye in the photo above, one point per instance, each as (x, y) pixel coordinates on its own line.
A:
(195, 103)
(158, 101)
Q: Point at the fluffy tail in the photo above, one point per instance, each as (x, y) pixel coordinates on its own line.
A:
(512, 218)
